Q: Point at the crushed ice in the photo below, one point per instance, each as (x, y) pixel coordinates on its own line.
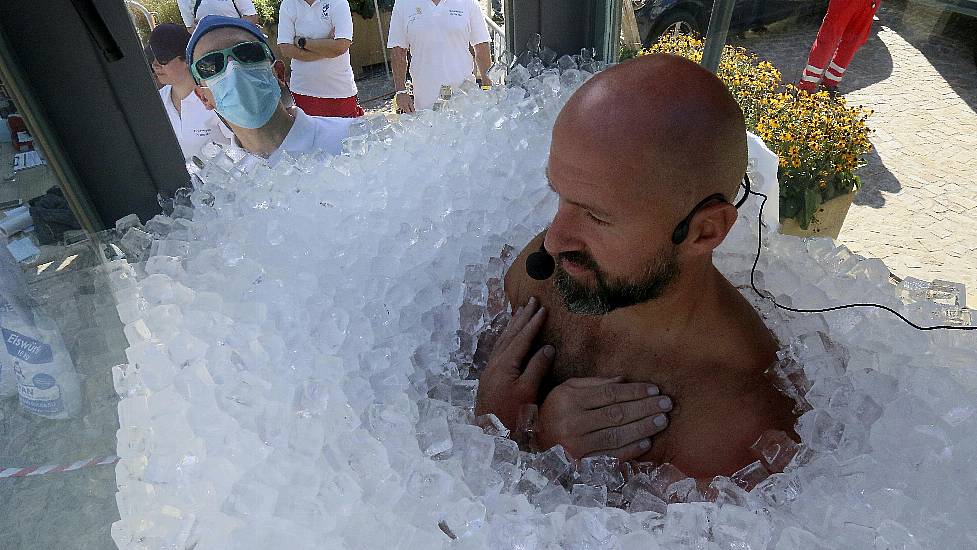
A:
(303, 343)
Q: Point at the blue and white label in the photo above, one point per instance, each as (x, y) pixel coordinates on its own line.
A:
(26, 348)
(40, 395)
(43, 381)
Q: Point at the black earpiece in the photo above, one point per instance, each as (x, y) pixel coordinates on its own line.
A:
(682, 229)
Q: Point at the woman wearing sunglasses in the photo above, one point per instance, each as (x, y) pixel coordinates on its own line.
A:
(238, 76)
(193, 124)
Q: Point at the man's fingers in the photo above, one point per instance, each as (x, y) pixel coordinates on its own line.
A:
(620, 414)
(602, 395)
(609, 439)
(523, 315)
(628, 452)
(519, 345)
(538, 365)
(503, 341)
(520, 317)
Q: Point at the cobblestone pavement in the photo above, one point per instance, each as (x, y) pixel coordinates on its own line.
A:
(917, 209)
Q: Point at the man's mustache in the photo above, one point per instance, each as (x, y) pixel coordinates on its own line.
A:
(580, 258)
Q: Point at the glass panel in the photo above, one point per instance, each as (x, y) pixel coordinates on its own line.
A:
(61, 337)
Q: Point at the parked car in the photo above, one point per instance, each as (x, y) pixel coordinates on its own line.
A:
(657, 17)
(965, 8)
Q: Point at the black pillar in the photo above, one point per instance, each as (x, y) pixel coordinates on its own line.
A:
(80, 78)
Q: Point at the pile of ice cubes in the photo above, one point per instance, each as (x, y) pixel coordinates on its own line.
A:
(304, 343)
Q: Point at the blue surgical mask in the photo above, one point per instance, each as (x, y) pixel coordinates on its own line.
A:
(246, 96)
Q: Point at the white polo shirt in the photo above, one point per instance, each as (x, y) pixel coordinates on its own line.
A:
(194, 125)
(313, 133)
(438, 37)
(330, 78)
(229, 8)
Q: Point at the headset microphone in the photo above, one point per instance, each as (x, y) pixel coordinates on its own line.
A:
(540, 265)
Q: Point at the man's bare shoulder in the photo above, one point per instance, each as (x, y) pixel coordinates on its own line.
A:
(745, 338)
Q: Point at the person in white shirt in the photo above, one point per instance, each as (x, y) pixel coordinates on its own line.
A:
(193, 124)
(437, 33)
(193, 11)
(317, 35)
(238, 76)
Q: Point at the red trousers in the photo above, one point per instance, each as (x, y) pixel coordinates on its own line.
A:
(344, 107)
(845, 28)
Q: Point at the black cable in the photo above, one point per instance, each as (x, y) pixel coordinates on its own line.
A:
(768, 296)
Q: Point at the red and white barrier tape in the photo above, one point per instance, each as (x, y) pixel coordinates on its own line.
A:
(54, 468)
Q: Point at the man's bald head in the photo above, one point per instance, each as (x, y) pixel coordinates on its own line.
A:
(633, 151)
(671, 117)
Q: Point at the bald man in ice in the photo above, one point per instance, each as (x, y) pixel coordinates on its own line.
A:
(631, 316)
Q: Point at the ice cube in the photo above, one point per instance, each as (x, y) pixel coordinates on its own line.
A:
(662, 477)
(434, 436)
(795, 538)
(775, 448)
(688, 524)
(750, 475)
(462, 393)
(124, 223)
(778, 489)
(644, 501)
(552, 463)
(518, 76)
(506, 452)
(588, 496)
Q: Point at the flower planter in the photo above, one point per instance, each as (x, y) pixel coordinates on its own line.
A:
(827, 221)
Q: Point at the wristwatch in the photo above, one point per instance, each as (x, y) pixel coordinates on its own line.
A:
(301, 43)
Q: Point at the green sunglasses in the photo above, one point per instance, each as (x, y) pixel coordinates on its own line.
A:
(215, 62)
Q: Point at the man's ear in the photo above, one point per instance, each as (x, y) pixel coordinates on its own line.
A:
(204, 96)
(710, 225)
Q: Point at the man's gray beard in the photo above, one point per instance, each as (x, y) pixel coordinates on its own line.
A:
(613, 294)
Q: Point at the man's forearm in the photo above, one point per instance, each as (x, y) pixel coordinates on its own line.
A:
(483, 58)
(398, 65)
(294, 52)
(328, 48)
